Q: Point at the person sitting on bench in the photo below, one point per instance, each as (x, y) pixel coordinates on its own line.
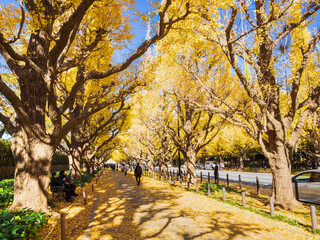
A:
(67, 181)
(56, 182)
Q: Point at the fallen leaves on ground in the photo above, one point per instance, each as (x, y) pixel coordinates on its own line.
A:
(158, 210)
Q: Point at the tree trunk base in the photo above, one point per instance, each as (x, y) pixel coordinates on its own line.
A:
(47, 210)
(293, 205)
(54, 214)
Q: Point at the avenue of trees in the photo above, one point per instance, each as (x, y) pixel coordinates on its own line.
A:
(59, 59)
(211, 76)
(255, 65)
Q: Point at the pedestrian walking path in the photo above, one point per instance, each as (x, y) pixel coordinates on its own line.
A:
(156, 210)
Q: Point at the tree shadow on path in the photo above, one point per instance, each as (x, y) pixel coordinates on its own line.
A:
(155, 210)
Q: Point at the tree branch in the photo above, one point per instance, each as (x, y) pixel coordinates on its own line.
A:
(164, 28)
(65, 32)
(15, 38)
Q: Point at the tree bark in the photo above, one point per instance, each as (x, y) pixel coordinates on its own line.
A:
(241, 162)
(191, 157)
(281, 174)
(32, 174)
(75, 164)
(32, 150)
(86, 167)
(164, 169)
(97, 163)
(88, 162)
(150, 166)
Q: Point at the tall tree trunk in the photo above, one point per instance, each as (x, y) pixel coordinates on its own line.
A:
(191, 157)
(86, 166)
(281, 172)
(164, 169)
(32, 154)
(75, 149)
(96, 162)
(32, 174)
(75, 164)
(150, 166)
(160, 165)
(241, 162)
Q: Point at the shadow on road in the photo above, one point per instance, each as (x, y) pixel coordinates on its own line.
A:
(127, 211)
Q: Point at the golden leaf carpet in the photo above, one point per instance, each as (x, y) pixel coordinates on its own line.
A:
(119, 209)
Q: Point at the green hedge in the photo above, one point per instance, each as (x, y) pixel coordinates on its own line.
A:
(6, 158)
(60, 159)
(23, 224)
(6, 192)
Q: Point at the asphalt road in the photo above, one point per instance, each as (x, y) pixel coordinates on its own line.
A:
(249, 178)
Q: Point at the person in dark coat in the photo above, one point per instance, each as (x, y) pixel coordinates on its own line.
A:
(125, 169)
(57, 182)
(216, 174)
(67, 181)
(138, 173)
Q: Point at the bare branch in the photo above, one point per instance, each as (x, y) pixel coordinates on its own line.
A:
(15, 38)
(16, 104)
(69, 27)
(7, 124)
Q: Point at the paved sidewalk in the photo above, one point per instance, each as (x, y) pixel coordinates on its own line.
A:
(156, 210)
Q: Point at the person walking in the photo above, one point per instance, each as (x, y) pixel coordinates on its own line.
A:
(125, 169)
(138, 173)
(216, 174)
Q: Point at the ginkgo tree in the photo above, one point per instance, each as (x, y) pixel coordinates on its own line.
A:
(138, 140)
(232, 141)
(157, 141)
(94, 135)
(102, 123)
(191, 71)
(310, 139)
(189, 128)
(270, 45)
(50, 39)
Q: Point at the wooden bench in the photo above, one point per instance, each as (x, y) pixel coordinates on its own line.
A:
(58, 190)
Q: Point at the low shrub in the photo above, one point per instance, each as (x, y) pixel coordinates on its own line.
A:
(6, 192)
(22, 224)
(60, 159)
(6, 158)
(87, 178)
